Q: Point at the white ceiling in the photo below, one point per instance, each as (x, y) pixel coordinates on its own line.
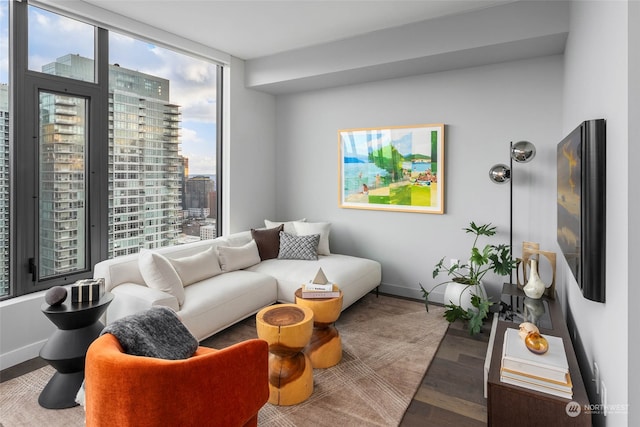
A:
(255, 28)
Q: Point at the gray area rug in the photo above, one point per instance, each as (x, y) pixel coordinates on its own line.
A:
(388, 344)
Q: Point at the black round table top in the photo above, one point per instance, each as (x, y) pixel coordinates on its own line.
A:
(74, 315)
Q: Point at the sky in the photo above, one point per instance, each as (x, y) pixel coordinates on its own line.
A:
(192, 81)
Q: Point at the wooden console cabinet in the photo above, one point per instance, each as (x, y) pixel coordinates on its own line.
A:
(509, 405)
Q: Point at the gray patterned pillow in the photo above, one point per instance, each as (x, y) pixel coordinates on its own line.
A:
(298, 247)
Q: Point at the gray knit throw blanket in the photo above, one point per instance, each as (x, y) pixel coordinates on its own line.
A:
(157, 332)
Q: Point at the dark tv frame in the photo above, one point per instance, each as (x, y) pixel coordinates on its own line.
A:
(581, 205)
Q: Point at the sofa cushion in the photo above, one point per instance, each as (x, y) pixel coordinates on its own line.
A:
(288, 225)
(268, 241)
(298, 247)
(158, 273)
(321, 228)
(218, 302)
(196, 267)
(355, 276)
(238, 257)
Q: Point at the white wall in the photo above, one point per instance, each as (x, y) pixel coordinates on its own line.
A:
(483, 108)
(634, 210)
(596, 86)
(249, 153)
(23, 329)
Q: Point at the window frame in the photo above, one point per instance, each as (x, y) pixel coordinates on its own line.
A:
(24, 86)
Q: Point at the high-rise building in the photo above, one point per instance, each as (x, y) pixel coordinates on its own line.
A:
(4, 189)
(144, 166)
(197, 194)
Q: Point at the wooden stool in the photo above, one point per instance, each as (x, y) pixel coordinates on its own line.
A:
(287, 328)
(325, 347)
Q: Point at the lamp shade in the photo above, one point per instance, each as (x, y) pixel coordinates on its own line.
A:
(523, 151)
(500, 173)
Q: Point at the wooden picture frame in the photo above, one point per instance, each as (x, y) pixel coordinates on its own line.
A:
(398, 168)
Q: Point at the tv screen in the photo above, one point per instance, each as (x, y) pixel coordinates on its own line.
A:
(581, 177)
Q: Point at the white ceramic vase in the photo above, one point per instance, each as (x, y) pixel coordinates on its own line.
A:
(460, 294)
(535, 287)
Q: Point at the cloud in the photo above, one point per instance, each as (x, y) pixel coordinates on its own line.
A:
(201, 165)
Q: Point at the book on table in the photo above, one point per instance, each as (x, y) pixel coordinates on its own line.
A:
(548, 372)
(313, 290)
(541, 387)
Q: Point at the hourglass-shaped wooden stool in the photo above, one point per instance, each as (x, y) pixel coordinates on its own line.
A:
(325, 346)
(287, 328)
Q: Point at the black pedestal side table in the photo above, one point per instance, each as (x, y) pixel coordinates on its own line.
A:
(78, 325)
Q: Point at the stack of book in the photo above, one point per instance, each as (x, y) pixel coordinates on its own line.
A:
(316, 290)
(546, 373)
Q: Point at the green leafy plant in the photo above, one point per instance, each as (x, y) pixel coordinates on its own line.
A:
(494, 258)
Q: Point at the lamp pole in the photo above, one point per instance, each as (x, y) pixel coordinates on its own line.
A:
(511, 209)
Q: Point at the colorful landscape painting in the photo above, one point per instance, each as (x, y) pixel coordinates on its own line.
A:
(398, 168)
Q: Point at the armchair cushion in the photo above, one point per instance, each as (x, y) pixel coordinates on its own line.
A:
(157, 332)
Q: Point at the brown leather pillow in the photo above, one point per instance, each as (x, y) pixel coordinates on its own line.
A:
(268, 241)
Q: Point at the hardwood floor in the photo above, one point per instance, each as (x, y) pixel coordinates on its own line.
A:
(452, 390)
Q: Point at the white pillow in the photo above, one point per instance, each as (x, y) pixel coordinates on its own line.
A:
(238, 257)
(197, 267)
(158, 273)
(321, 228)
(288, 225)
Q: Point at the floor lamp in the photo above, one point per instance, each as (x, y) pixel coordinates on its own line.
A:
(521, 152)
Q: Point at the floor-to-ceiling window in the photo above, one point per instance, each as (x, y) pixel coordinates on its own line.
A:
(5, 123)
(116, 147)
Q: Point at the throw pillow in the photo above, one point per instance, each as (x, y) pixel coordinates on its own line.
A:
(158, 273)
(196, 267)
(321, 228)
(268, 241)
(288, 225)
(298, 247)
(238, 257)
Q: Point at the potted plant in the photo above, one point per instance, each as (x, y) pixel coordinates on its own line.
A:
(467, 277)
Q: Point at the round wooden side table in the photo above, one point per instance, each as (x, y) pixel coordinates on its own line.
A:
(287, 328)
(325, 347)
(78, 325)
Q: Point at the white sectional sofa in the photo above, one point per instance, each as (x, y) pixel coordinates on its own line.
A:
(220, 282)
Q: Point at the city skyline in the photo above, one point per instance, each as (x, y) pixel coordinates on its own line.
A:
(193, 81)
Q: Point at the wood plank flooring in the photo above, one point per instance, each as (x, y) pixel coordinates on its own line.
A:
(452, 390)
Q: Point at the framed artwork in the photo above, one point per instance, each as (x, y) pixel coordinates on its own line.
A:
(399, 168)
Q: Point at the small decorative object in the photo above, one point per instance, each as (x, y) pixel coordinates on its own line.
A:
(320, 278)
(535, 287)
(55, 296)
(87, 290)
(525, 328)
(490, 258)
(531, 250)
(532, 338)
(536, 343)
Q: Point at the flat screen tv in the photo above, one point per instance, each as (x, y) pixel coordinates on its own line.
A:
(581, 205)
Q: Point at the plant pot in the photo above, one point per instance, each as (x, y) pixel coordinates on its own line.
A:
(460, 294)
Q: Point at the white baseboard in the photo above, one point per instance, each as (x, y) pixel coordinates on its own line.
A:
(20, 355)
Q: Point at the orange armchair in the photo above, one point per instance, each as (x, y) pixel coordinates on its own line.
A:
(211, 388)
